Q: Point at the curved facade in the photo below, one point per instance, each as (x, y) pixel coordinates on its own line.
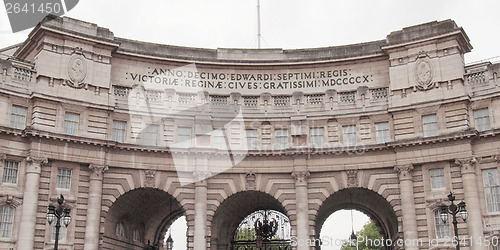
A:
(135, 135)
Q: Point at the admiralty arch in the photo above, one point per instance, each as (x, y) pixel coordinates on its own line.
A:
(135, 135)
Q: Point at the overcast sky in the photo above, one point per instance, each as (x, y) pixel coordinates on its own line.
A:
(285, 24)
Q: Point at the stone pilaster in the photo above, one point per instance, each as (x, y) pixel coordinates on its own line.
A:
(471, 194)
(302, 207)
(200, 210)
(94, 207)
(30, 202)
(408, 205)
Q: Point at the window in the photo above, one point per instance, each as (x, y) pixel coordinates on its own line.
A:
(382, 133)
(219, 139)
(437, 178)
(63, 178)
(6, 221)
(252, 139)
(183, 137)
(349, 134)
(18, 117)
(62, 232)
(442, 228)
(71, 123)
(10, 169)
(491, 189)
(118, 131)
(151, 135)
(120, 230)
(482, 117)
(281, 139)
(317, 137)
(136, 235)
(430, 125)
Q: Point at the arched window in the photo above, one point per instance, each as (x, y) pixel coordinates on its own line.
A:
(442, 228)
(136, 236)
(6, 221)
(120, 230)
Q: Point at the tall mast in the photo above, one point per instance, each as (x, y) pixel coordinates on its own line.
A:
(259, 36)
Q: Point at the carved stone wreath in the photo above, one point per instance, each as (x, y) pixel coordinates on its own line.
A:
(77, 69)
(424, 73)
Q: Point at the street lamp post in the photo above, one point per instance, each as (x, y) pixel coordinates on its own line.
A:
(454, 210)
(57, 214)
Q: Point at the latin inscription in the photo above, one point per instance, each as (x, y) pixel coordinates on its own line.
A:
(250, 81)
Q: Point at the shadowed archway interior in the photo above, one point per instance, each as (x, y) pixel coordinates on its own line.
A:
(366, 201)
(145, 215)
(234, 210)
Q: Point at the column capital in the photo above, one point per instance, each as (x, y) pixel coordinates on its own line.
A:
(301, 176)
(404, 171)
(200, 177)
(35, 163)
(97, 170)
(467, 165)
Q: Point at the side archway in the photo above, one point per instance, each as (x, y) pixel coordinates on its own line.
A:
(364, 200)
(139, 217)
(234, 210)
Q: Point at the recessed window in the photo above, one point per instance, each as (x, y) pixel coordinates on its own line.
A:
(18, 117)
(118, 131)
(252, 139)
(219, 139)
(281, 139)
(71, 123)
(430, 125)
(6, 221)
(437, 178)
(382, 132)
(10, 170)
(317, 137)
(62, 232)
(183, 137)
(120, 230)
(151, 135)
(63, 178)
(482, 118)
(349, 135)
(442, 228)
(491, 189)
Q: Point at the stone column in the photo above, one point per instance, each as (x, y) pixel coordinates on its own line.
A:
(93, 219)
(302, 208)
(200, 210)
(408, 206)
(30, 202)
(471, 194)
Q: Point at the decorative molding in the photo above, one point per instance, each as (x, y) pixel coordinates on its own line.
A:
(301, 176)
(352, 178)
(3, 157)
(77, 69)
(467, 165)
(200, 176)
(404, 172)
(424, 72)
(97, 170)
(37, 160)
(250, 181)
(150, 178)
(11, 200)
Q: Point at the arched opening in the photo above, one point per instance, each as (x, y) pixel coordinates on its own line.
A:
(376, 207)
(232, 213)
(140, 218)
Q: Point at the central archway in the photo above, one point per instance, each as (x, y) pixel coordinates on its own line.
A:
(235, 209)
(140, 218)
(366, 201)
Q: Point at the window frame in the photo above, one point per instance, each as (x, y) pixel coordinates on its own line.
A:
(5, 167)
(15, 117)
(253, 140)
(119, 134)
(492, 203)
(183, 140)
(428, 129)
(70, 126)
(442, 229)
(443, 176)
(149, 131)
(62, 181)
(382, 135)
(281, 141)
(10, 224)
(317, 136)
(479, 119)
(349, 135)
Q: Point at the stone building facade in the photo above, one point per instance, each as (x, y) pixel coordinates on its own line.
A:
(135, 135)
